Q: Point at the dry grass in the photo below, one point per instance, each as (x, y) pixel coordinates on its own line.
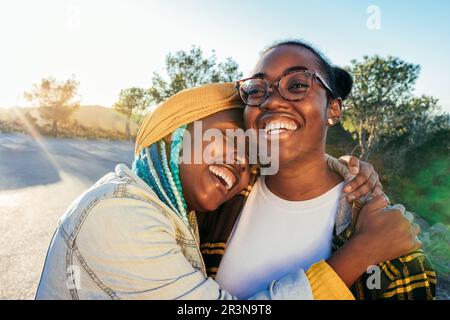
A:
(87, 121)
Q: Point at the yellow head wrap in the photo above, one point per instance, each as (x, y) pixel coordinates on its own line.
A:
(185, 107)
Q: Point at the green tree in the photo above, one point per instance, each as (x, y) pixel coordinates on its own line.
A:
(56, 100)
(131, 101)
(382, 105)
(187, 69)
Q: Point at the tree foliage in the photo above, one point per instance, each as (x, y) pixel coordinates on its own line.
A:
(131, 101)
(56, 100)
(187, 69)
(382, 105)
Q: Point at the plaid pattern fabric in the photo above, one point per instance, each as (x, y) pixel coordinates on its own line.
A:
(410, 277)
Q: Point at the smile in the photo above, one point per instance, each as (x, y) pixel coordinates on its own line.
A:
(276, 127)
(226, 175)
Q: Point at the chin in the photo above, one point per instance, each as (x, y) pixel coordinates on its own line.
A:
(208, 208)
(206, 204)
(288, 157)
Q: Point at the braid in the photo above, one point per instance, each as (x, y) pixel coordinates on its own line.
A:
(162, 175)
(175, 147)
(165, 198)
(179, 197)
(140, 167)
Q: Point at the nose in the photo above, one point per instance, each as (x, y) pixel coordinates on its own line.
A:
(274, 101)
(236, 154)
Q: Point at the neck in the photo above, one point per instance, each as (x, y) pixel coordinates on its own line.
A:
(304, 179)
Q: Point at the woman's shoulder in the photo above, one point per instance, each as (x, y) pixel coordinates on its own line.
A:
(116, 196)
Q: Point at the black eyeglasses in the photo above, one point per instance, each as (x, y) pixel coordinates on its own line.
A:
(292, 86)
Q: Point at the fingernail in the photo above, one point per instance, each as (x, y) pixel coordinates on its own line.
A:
(348, 189)
(354, 170)
(351, 198)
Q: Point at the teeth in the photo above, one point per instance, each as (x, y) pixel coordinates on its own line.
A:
(276, 131)
(279, 127)
(223, 173)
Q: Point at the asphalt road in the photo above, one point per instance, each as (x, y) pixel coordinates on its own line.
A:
(39, 178)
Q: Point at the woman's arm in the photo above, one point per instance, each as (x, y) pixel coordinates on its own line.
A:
(371, 244)
(382, 233)
(131, 247)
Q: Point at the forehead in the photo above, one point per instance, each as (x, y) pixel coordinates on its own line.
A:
(276, 61)
(231, 117)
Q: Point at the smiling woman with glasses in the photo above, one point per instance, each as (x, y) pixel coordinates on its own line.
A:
(304, 215)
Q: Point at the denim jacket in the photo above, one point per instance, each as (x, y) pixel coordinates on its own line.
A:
(119, 241)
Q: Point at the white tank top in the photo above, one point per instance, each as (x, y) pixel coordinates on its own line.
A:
(274, 236)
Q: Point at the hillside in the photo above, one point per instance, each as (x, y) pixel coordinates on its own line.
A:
(90, 116)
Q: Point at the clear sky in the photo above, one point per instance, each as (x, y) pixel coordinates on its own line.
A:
(112, 45)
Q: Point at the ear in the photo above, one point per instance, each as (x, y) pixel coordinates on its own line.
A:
(334, 110)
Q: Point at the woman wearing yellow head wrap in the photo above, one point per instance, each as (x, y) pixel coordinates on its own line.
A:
(208, 185)
(130, 236)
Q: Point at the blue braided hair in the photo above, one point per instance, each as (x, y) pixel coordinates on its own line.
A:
(161, 174)
(175, 147)
(140, 168)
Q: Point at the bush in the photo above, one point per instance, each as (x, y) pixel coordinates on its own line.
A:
(424, 183)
